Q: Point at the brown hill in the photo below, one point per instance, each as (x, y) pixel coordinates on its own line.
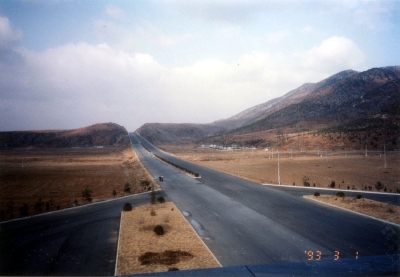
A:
(166, 133)
(103, 134)
(357, 99)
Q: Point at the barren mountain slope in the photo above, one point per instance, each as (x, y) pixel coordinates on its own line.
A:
(103, 134)
(344, 97)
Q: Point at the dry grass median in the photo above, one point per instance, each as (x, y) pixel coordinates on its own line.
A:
(141, 250)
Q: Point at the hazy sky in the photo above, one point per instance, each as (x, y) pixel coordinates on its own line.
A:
(67, 63)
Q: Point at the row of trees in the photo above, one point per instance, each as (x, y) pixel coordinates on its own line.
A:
(10, 210)
(378, 185)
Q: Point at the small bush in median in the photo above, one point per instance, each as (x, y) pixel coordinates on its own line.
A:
(152, 212)
(359, 196)
(159, 230)
(127, 207)
(317, 193)
(160, 199)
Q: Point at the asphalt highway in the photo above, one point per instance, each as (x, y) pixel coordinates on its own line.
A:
(247, 223)
(76, 241)
(242, 223)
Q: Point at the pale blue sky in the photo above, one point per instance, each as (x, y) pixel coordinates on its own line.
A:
(68, 63)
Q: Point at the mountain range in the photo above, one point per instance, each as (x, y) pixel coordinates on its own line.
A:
(346, 101)
(102, 134)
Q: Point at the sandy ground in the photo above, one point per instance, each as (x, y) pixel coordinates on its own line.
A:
(58, 176)
(365, 206)
(137, 237)
(350, 170)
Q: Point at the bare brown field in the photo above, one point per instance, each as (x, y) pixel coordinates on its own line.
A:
(137, 237)
(365, 206)
(350, 170)
(58, 176)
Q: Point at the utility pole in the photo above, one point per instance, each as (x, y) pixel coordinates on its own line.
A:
(366, 150)
(384, 154)
(279, 175)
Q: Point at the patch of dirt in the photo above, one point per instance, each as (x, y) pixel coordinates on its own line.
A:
(365, 206)
(179, 246)
(51, 179)
(167, 257)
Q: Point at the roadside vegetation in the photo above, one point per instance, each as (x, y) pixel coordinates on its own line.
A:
(362, 205)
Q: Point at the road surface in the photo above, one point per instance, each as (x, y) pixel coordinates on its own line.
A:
(246, 223)
(77, 241)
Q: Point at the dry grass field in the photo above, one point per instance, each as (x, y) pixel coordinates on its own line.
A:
(50, 179)
(350, 170)
(365, 206)
(179, 247)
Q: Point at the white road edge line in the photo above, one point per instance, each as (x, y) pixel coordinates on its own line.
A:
(119, 235)
(330, 189)
(76, 207)
(205, 245)
(323, 203)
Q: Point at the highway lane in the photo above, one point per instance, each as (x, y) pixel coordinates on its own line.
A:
(77, 241)
(245, 223)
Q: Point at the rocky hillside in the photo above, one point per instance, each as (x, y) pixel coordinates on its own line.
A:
(348, 97)
(332, 102)
(104, 134)
(166, 133)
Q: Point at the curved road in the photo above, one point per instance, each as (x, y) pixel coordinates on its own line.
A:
(77, 241)
(246, 223)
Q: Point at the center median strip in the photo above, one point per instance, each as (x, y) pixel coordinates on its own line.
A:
(142, 250)
(194, 174)
(188, 171)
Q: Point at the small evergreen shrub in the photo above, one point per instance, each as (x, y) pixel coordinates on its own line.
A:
(359, 196)
(160, 199)
(317, 193)
(152, 212)
(127, 207)
(159, 230)
(340, 194)
(379, 186)
(306, 181)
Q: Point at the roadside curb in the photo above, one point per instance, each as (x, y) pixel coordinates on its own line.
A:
(205, 245)
(328, 189)
(77, 207)
(358, 213)
(116, 258)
